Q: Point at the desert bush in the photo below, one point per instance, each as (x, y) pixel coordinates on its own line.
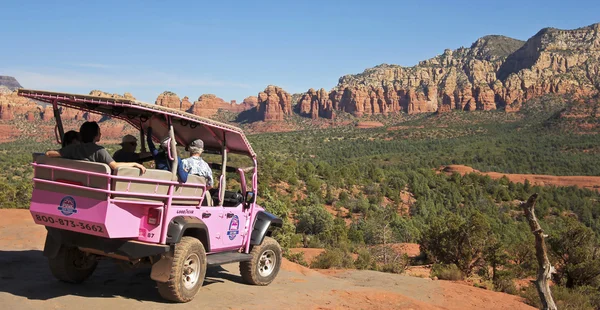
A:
(333, 258)
(297, 258)
(364, 259)
(504, 282)
(446, 272)
(581, 298)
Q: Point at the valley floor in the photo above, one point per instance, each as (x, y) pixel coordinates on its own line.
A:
(26, 283)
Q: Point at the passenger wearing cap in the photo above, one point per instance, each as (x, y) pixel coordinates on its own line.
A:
(127, 152)
(195, 164)
(161, 157)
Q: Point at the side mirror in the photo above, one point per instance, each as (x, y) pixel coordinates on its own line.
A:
(250, 197)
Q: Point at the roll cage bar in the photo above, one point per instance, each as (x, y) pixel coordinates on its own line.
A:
(182, 127)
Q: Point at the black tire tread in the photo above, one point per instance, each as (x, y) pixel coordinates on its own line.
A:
(170, 290)
(249, 270)
(62, 268)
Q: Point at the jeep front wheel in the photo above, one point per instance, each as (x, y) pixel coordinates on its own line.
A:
(72, 265)
(187, 271)
(264, 265)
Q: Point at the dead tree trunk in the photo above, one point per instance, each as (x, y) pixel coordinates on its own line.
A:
(545, 269)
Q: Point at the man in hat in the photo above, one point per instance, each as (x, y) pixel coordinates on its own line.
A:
(161, 156)
(127, 152)
(195, 164)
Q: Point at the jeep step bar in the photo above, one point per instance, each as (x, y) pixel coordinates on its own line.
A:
(226, 258)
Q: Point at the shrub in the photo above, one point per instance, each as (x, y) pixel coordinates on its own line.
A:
(446, 272)
(333, 258)
(581, 298)
(297, 258)
(364, 259)
(504, 283)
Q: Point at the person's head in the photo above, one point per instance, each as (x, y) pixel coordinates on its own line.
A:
(196, 147)
(129, 143)
(70, 137)
(90, 132)
(165, 143)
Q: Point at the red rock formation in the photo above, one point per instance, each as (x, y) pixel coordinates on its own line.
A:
(274, 103)
(13, 106)
(170, 100)
(250, 102)
(208, 105)
(495, 72)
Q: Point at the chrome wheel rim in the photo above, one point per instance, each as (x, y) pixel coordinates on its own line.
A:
(191, 271)
(266, 263)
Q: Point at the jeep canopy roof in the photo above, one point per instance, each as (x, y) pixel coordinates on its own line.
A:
(187, 127)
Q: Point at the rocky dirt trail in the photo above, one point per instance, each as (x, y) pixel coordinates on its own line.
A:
(26, 283)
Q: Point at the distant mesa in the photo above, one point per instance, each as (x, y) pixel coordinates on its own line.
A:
(9, 82)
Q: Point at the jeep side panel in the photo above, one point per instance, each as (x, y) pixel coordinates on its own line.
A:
(262, 222)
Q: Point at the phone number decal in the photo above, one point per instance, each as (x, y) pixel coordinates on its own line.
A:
(69, 223)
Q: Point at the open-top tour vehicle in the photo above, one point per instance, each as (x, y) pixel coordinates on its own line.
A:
(91, 212)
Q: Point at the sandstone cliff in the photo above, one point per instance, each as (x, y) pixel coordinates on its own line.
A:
(207, 105)
(495, 72)
(274, 103)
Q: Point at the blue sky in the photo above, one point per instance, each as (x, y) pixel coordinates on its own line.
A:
(234, 49)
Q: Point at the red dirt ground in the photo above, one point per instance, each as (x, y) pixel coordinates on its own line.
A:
(589, 182)
(26, 283)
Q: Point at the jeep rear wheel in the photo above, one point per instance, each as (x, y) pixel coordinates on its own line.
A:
(187, 271)
(264, 265)
(72, 265)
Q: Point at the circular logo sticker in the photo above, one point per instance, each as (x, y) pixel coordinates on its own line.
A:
(67, 206)
(234, 227)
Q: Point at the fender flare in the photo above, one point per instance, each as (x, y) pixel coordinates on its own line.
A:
(262, 222)
(180, 226)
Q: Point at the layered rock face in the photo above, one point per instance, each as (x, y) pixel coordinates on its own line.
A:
(9, 82)
(315, 104)
(207, 105)
(100, 93)
(495, 72)
(274, 103)
(13, 106)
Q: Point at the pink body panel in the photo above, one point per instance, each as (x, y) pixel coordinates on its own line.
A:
(85, 215)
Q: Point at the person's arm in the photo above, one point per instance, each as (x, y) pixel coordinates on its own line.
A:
(151, 146)
(181, 173)
(53, 154)
(114, 165)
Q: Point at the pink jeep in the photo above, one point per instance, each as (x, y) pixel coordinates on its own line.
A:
(91, 212)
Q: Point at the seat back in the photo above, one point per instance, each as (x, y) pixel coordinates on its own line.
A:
(69, 176)
(141, 187)
(192, 191)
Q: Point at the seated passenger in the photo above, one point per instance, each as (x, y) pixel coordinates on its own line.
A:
(70, 137)
(161, 157)
(195, 164)
(90, 151)
(127, 152)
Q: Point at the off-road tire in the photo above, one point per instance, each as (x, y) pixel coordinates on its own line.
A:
(72, 265)
(251, 270)
(175, 288)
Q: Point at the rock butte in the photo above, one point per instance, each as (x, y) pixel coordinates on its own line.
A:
(495, 72)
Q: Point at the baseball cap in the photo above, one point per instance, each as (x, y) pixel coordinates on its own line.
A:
(165, 142)
(128, 139)
(197, 143)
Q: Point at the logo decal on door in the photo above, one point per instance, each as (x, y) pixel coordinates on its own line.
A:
(234, 227)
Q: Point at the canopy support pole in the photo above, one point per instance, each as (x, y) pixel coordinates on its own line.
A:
(173, 149)
(223, 183)
(59, 123)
